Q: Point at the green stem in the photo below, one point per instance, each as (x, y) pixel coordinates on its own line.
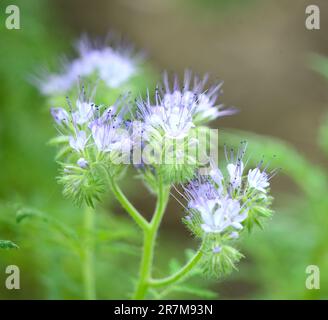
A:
(126, 204)
(179, 274)
(88, 255)
(149, 243)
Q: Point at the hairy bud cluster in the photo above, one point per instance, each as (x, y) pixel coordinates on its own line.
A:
(223, 202)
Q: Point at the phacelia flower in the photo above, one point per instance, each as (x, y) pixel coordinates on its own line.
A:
(84, 113)
(221, 215)
(166, 118)
(214, 210)
(221, 204)
(94, 127)
(60, 115)
(258, 180)
(113, 65)
(106, 132)
(82, 163)
(193, 95)
(235, 173)
(94, 138)
(79, 141)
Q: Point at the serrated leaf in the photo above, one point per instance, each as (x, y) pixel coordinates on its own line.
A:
(26, 213)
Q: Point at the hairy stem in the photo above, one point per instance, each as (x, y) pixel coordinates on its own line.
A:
(126, 204)
(88, 255)
(179, 274)
(149, 243)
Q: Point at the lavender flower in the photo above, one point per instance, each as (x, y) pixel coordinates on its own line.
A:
(221, 203)
(235, 173)
(79, 141)
(167, 118)
(50, 83)
(235, 165)
(258, 180)
(106, 136)
(217, 177)
(217, 249)
(109, 131)
(234, 235)
(219, 215)
(103, 128)
(176, 110)
(84, 113)
(114, 66)
(217, 210)
(82, 163)
(195, 97)
(60, 115)
(200, 192)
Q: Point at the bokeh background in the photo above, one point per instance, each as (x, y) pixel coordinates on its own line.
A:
(274, 71)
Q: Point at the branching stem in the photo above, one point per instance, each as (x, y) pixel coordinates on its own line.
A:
(150, 236)
(127, 205)
(150, 231)
(179, 274)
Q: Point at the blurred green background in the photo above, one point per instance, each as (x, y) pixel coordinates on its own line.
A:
(275, 72)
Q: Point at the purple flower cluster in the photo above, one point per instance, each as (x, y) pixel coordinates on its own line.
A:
(114, 66)
(220, 203)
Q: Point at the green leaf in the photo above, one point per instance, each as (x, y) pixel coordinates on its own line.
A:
(7, 244)
(27, 213)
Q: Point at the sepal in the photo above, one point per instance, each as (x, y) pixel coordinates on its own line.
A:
(219, 259)
(82, 185)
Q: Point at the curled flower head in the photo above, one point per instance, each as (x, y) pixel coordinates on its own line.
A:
(103, 127)
(115, 65)
(92, 138)
(194, 95)
(165, 118)
(223, 203)
(215, 211)
(169, 130)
